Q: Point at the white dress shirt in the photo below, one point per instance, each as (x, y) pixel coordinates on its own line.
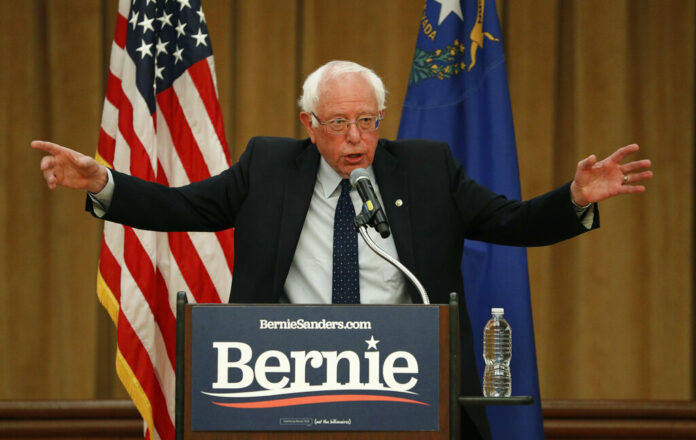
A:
(310, 277)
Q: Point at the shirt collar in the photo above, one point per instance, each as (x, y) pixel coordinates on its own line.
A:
(330, 180)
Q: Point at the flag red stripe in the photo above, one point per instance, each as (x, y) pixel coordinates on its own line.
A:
(138, 263)
(138, 359)
(203, 80)
(110, 270)
(113, 89)
(165, 318)
(182, 137)
(161, 175)
(192, 268)
(143, 272)
(121, 31)
(106, 147)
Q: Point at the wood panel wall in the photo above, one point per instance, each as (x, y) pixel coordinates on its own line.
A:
(613, 310)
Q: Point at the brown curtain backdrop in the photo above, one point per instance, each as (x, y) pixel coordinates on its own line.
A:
(613, 309)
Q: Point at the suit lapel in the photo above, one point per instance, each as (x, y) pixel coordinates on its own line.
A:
(393, 186)
(298, 187)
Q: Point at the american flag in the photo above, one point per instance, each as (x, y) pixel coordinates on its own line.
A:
(161, 122)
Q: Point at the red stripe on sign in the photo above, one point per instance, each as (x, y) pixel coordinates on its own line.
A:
(138, 359)
(312, 400)
(203, 80)
(182, 137)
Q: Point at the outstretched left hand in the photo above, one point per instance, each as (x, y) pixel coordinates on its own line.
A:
(596, 181)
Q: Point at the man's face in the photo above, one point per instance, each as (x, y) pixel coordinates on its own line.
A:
(348, 97)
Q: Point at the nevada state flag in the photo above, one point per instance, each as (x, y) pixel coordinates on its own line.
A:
(458, 93)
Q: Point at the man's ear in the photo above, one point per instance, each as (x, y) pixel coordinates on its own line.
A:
(306, 119)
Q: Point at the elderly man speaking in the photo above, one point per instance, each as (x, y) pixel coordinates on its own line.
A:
(292, 207)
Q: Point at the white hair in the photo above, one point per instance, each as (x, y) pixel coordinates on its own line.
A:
(312, 88)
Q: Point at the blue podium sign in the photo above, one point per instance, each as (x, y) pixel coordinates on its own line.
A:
(320, 368)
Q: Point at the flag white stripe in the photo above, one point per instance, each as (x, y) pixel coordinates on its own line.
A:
(124, 7)
(202, 128)
(122, 154)
(113, 237)
(168, 156)
(208, 247)
(109, 122)
(137, 311)
(116, 60)
(148, 240)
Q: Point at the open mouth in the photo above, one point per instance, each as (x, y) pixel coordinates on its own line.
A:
(354, 158)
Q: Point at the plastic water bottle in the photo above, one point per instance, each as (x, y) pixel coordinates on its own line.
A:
(497, 351)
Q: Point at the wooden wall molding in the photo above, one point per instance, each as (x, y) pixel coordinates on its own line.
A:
(610, 419)
(563, 419)
(90, 419)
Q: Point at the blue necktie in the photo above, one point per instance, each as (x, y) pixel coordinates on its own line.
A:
(346, 279)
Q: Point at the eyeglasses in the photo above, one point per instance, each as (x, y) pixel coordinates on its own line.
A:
(365, 124)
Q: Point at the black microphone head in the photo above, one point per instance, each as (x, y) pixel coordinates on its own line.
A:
(383, 229)
(357, 174)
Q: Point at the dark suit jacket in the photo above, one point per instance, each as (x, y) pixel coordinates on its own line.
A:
(266, 195)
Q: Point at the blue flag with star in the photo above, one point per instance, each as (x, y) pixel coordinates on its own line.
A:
(458, 93)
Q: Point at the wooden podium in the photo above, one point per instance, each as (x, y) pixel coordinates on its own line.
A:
(450, 401)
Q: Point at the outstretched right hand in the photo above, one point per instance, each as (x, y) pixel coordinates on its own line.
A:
(68, 168)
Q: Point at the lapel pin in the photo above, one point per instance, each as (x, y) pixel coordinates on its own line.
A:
(398, 203)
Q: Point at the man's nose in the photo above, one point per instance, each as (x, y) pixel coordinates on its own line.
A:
(353, 134)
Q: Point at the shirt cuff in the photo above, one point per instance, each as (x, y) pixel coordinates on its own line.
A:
(585, 214)
(102, 200)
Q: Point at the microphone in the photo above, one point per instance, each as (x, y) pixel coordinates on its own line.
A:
(371, 206)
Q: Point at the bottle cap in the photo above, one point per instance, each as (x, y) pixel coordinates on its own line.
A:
(497, 310)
